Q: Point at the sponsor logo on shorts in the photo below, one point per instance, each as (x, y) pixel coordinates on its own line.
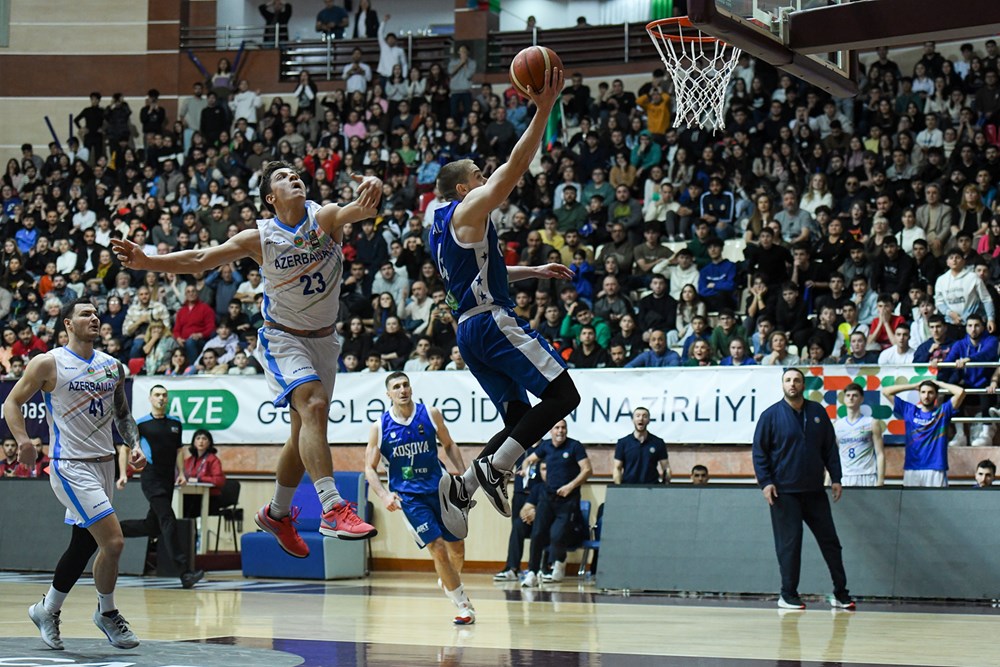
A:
(423, 528)
(103, 502)
(302, 368)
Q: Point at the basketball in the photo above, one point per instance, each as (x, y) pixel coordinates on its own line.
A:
(529, 66)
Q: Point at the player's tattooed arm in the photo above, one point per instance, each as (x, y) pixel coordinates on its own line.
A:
(124, 421)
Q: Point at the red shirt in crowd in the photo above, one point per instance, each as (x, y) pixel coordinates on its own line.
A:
(192, 318)
(208, 469)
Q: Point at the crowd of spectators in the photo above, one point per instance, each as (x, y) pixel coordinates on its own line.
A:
(835, 231)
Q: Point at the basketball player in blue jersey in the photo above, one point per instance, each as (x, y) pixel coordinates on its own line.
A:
(507, 357)
(406, 439)
(84, 391)
(926, 460)
(299, 252)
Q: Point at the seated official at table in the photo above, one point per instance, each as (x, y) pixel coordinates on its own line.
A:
(203, 466)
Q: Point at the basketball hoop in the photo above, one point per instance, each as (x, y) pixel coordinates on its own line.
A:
(700, 66)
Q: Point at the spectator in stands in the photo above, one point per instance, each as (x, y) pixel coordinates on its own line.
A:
(203, 466)
(699, 354)
(28, 344)
(564, 468)
(959, 292)
(797, 224)
(682, 273)
(938, 345)
(332, 20)
(900, 354)
(738, 355)
(726, 332)
(588, 354)
(276, 15)
(986, 472)
(881, 333)
(461, 69)
(657, 309)
(926, 461)
(977, 345)
(610, 305)
(718, 208)
(864, 299)
(717, 279)
(194, 323)
(658, 355)
(641, 457)
(779, 356)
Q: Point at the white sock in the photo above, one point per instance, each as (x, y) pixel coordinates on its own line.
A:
(471, 481)
(106, 601)
(458, 596)
(53, 600)
(507, 455)
(328, 495)
(281, 502)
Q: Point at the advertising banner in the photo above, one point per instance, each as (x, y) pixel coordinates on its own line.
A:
(687, 406)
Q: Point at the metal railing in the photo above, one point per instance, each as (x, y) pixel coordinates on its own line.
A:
(326, 59)
(972, 391)
(577, 47)
(228, 37)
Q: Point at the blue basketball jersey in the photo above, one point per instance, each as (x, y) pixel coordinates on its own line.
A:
(409, 449)
(475, 274)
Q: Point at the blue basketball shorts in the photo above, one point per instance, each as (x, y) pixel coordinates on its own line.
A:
(422, 513)
(507, 356)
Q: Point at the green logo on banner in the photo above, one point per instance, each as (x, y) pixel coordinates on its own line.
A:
(212, 409)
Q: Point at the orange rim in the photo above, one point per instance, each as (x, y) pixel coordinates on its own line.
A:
(655, 30)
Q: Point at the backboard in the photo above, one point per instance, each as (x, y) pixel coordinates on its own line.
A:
(762, 28)
(817, 40)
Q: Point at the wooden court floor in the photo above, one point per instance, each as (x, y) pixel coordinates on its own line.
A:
(404, 619)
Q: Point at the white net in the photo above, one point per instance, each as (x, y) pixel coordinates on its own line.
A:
(701, 67)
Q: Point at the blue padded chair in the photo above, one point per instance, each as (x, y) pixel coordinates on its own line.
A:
(594, 543)
(329, 557)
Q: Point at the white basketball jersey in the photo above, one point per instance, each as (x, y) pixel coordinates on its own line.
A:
(82, 405)
(302, 269)
(857, 446)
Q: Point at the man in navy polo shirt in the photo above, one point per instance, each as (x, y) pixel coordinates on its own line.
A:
(565, 467)
(641, 457)
(793, 445)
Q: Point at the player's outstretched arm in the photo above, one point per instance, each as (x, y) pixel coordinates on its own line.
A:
(40, 374)
(365, 205)
(373, 456)
(451, 450)
(482, 200)
(244, 244)
(554, 270)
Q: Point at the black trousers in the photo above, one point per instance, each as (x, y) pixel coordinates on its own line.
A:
(159, 522)
(789, 512)
(519, 532)
(553, 519)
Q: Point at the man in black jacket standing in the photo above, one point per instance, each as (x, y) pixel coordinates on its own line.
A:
(793, 444)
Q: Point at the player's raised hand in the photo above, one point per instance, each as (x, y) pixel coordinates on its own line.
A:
(555, 270)
(545, 98)
(369, 191)
(128, 253)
